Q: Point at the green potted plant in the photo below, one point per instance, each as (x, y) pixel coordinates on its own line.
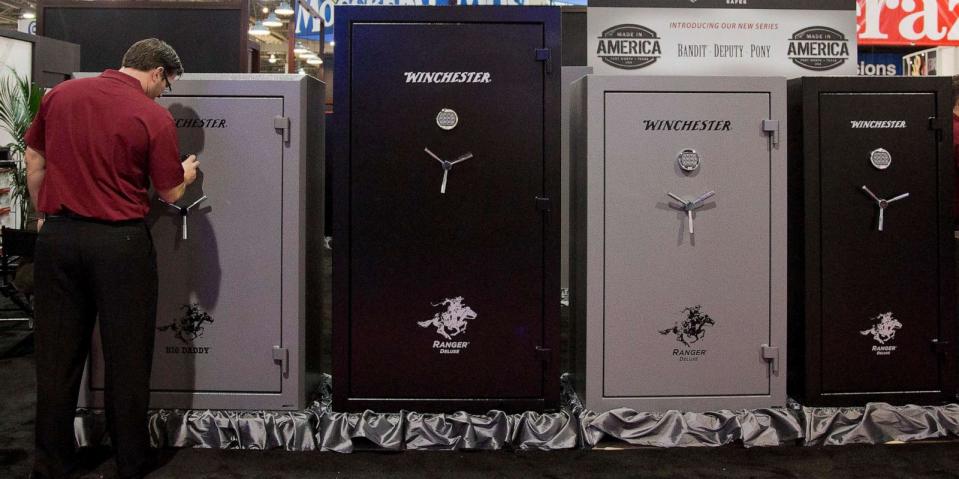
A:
(19, 103)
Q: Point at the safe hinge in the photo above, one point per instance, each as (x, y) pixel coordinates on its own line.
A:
(545, 55)
(772, 127)
(282, 355)
(940, 346)
(771, 354)
(938, 125)
(543, 204)
(282, 125)
(544, 354)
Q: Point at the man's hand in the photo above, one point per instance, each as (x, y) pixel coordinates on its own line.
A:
(190, 165)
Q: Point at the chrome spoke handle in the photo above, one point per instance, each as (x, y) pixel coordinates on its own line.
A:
(428, 152)
(464, 157)
(897, 198)
(871, 194)
(447, 166)
(705, 196)
(883, 204)
(690, 206)
(184, 214)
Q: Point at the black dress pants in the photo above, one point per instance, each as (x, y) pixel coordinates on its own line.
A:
(85, 271)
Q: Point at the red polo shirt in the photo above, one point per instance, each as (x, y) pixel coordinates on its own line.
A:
(104, 140)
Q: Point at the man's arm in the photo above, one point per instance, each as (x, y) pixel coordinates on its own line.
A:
(172, 195)
(36, 168)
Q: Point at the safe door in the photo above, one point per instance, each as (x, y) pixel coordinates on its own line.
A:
(446, 236)
(219, 254)
(880, 255)
(687, 255)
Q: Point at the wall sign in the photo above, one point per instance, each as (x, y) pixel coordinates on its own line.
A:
(909, 22)
(880, 64)
(722, 37)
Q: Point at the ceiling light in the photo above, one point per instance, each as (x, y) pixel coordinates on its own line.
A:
(284, 9)
(259, 29)
(314, 61)
(308, 55)
(299, 49)
(273, 21)
(265, 10)
(29, 15)
(272, 58)
(332, 43)
(302, 71)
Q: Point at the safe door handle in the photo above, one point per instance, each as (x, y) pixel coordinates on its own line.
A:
(883, 203)
(184, 213)
(690, 206)
(447, 165)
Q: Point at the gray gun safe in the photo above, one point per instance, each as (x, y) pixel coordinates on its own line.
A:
(238, 255)
(678, 279)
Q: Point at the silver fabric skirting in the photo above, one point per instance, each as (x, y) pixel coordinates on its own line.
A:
(320, 428)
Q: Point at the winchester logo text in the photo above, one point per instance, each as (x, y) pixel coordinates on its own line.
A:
(448, 77)
(878, 124)
(687, 125)
(201, 123)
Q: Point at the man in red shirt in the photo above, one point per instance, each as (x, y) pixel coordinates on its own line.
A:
(94, 148)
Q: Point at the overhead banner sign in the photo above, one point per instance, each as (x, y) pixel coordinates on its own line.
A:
(908, 22)
(308, 27)
(722, 37)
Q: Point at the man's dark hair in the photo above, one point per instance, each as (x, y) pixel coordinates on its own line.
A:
(145, 55)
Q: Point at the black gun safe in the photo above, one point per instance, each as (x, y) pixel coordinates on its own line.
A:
(872, 295)
(446, 218)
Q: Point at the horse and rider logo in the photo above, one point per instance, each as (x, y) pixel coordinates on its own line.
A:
(190, 326)
(453, 321)
(691, 329)
(885, 330)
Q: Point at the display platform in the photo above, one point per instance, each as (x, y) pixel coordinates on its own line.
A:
(319, 427)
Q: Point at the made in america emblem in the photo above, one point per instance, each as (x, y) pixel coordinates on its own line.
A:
(688, 160)
(880, 158)
(629, 47)
(818, 48)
